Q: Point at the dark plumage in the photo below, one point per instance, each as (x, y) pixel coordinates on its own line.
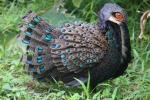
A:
(73, 50)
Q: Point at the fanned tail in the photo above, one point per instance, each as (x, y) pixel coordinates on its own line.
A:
(38, 35)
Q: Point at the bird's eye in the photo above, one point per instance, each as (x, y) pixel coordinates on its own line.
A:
(119, 16)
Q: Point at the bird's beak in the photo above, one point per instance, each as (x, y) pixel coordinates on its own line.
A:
(112, 19)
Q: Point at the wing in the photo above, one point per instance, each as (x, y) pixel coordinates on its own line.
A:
(79, 46)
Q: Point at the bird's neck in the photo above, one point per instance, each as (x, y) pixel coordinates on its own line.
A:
(121, 41)
(125, 44)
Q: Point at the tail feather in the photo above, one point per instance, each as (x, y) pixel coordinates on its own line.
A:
(30, 32)
(39, 25)
(38, 50)
(38, 35)
(32, 40)
(37, 59)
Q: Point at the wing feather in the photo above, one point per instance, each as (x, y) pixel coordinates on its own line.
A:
(80, 46)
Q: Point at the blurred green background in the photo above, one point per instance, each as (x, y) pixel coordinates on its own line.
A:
(15, 84)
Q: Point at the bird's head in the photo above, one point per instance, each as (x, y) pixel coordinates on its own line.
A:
(113, 13)
(114, 18)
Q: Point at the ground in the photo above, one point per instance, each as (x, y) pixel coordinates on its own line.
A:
(16, 84)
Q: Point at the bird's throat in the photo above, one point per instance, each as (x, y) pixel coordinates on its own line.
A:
(120, 36)
(125, 43)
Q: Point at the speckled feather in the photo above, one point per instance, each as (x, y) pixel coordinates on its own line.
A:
(71, 48)
(69, 51)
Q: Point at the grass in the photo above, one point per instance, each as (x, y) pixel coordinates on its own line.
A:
(15, 84)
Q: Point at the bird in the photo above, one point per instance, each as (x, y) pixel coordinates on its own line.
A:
(77, 50)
